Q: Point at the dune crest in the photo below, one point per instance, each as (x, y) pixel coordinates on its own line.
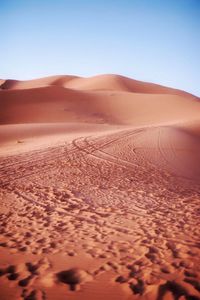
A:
(105, 82)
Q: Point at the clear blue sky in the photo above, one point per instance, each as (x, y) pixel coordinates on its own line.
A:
(151, 40)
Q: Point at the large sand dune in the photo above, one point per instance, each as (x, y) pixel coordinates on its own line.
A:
(102, 99)
(99, 190)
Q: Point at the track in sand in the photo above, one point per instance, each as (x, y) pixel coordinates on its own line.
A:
(122, 207)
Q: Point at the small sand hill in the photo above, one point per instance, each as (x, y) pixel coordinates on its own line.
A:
(107, 99)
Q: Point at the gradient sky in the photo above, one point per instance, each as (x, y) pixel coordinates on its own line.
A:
(150, 40)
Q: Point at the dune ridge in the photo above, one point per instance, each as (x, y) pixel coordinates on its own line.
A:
(99, 82)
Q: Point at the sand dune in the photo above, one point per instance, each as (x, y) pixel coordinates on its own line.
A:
(99, 190)
(58, 104)
(101, 82)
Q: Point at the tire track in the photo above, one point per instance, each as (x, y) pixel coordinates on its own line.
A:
(91, 149)
(37, 163)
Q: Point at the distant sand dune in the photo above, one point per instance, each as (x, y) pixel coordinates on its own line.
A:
(100, 82)
(100, 99)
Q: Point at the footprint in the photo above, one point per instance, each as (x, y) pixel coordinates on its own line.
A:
(138, 288)
(26, 281)
(13, 276)
(176, 289)
(33, 295)
(74, 277)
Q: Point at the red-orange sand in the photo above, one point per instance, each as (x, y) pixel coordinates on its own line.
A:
(99, 190)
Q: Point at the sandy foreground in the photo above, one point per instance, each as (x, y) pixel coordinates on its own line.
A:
(99, 190)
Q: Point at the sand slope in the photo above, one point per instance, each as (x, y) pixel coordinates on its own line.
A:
(101, 99)
(99, 190)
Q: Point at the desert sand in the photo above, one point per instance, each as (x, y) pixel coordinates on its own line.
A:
(99, 190)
